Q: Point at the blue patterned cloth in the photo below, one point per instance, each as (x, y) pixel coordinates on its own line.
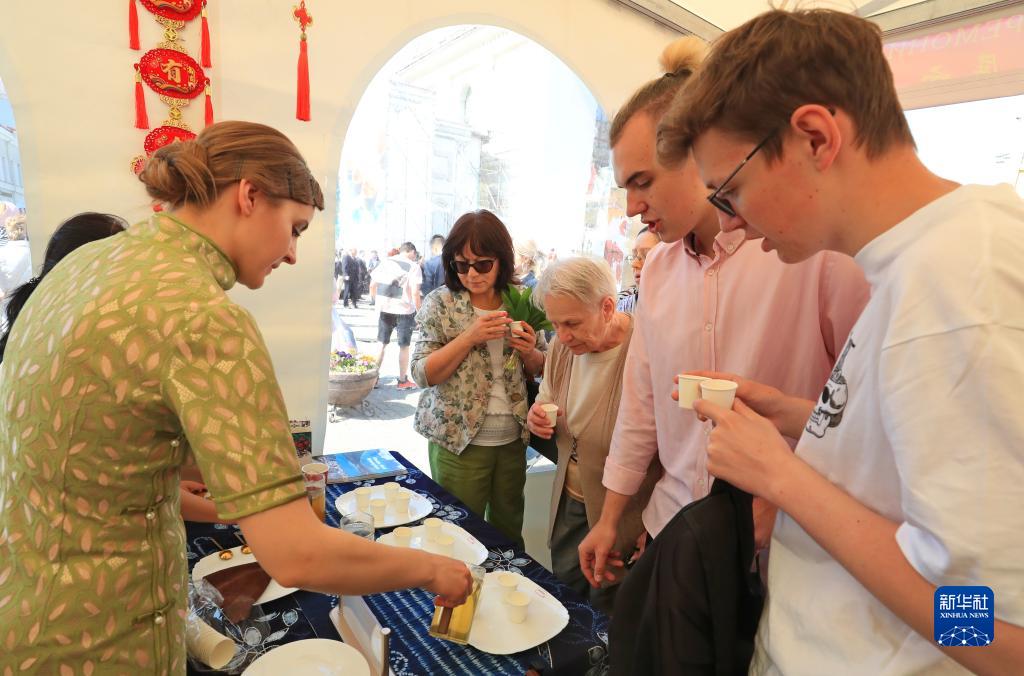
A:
(580, 648)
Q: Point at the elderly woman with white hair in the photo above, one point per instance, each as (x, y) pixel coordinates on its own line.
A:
(583, 377)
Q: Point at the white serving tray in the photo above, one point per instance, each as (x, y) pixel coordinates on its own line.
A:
(492, 631)
(419, 507)
(467, 548)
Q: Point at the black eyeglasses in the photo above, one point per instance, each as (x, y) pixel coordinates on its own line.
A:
(483, 266)
(722, 203)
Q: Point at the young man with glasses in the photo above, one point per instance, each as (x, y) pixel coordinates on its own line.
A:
(716, 302)
(907, 477)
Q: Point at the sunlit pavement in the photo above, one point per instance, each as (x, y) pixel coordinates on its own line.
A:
(385, 418)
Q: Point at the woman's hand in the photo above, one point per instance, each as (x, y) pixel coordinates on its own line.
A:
(486, 327)
(525, 341)
(451, 581)
(537, 420)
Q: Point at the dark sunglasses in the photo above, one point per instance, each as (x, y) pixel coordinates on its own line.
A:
(483, 266)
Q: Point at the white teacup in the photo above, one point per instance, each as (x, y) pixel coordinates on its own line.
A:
(444, 545)
(402, 536)
(391, 489)
(508, 583)
(378, 506)
(720, 392)
(401, 501)
(433, 528)
(551, 411)
(363, 495)
(689, 389)
(516, 326)
(516, 606)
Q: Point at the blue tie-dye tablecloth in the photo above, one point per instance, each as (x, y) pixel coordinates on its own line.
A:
(580, 648)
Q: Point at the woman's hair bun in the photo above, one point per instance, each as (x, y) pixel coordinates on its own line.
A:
(179, 173)
(686, 53)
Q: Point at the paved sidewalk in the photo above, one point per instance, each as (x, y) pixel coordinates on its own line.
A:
(385, 418)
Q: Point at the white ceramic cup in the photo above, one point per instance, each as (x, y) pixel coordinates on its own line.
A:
(206, 644)
(720, 392)
(508, 583)
(689, 389)
(401, 501)
(363, 495)
(402, 536)
(516, 605)
(516, 326)
(432, 526)
(444, 545)
(378, 506)
(551, 411)
(391, 489)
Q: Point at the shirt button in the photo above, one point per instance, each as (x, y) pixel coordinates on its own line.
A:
(175, 443)
(707, 327)
(159, 619)
(150, 515)
(711, 272)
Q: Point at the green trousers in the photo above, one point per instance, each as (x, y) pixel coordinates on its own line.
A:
(489, 479)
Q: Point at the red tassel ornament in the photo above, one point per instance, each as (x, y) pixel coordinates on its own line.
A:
(302, 98)
(209, 105)
(141, 118)
(133, 25)
(305, 19)
(206, 40)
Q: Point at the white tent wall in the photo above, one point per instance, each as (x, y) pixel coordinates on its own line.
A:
(68, 72)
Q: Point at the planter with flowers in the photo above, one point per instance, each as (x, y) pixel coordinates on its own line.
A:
(350, 379)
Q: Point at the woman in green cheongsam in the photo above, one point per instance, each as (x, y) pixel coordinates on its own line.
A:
(128, 359)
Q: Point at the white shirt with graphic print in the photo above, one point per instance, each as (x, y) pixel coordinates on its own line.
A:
(922, 422)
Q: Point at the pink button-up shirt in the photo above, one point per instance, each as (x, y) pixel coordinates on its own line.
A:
(742, 311)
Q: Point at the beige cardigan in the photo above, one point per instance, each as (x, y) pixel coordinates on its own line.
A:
(592, 446)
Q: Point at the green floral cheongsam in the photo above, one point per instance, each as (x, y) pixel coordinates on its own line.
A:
(127, 359)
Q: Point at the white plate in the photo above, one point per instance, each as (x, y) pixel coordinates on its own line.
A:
(492, 631)
(419, 507)
(213, 563)
(312, 656)
(467, 548)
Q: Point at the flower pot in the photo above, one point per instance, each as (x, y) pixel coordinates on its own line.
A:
(349, 389)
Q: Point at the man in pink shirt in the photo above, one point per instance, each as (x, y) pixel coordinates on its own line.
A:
(718, 303)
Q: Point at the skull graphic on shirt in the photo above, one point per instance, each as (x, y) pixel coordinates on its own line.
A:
(829, 410)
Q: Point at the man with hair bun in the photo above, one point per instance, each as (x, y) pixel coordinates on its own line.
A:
(907, 477)
(126, 362)
(719, 303)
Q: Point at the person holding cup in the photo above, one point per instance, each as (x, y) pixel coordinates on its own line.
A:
(577, 404)
(732, 306)
(473, 407)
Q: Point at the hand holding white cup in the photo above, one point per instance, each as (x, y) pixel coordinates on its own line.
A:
(719, 392)
(551, 411)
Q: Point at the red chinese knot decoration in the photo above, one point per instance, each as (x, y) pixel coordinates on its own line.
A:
(305, 19)
(175, 76)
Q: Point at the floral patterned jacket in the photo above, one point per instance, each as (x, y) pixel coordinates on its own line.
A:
(451, 413)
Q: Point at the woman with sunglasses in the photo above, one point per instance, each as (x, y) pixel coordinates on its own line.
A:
(473, 406)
